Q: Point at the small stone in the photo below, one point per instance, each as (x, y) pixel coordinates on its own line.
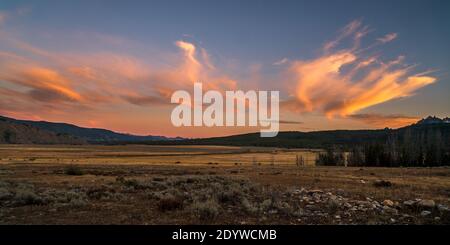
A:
(425, 213)
(309, 206)
(442, 208)
(337, 217)
(362, 181)
(299, 191)
(409, 203)
(311, 192)
(393, 220)
(426, 204)
(388, 203)
(437, 218)
(390, 210)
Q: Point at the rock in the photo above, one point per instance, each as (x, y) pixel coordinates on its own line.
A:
(316, 196)
(425, 213)
(388, 203)
(437, 218)
(347, 205)
(340, 192)
(363, 203)
(333, 197)
(333, 203)
(443, 208)
(362, 181)
(309, 206)
(409, 203)
(337, 217)
(426, 204)
(311, 192)
(299, 191)
(389, 210)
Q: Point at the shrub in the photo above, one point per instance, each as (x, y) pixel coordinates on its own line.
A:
(266, 204)
(207, 210)
(249, 207)
(170, 202)
(4, 193)
(232, 195)
(382, 183)
(26, 197)
(73, 170)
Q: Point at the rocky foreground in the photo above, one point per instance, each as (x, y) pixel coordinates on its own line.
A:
(204, 199)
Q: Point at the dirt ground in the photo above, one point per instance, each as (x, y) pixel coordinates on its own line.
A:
(209, 185)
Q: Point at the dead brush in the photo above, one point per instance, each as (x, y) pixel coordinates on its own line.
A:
(170, 202)
(73, 170)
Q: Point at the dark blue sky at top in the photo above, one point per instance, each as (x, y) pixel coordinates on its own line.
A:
(254, 30)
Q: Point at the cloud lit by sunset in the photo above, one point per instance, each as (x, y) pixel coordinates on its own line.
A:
(323, 85)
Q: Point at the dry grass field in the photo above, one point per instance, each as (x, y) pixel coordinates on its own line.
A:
(135, 184)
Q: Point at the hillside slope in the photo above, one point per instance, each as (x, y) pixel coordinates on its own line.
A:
(92, 135)
(16, 133)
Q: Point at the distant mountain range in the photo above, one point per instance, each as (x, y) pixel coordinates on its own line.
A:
(18, 131)
(41, 132)
(433, 120)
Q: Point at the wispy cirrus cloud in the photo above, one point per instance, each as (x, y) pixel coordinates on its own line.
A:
(388, 38)
(281, 62)
(343, 82)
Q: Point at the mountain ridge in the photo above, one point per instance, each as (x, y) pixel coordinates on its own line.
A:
(91, 135)
(69, 133)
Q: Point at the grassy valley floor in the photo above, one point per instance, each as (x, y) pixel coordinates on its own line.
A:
(209, 185)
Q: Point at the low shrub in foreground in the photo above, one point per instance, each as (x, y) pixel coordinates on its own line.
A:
(73, 170)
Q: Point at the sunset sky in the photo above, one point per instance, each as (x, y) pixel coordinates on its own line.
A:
(115, 64)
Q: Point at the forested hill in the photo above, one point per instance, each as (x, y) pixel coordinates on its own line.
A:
(423, 131)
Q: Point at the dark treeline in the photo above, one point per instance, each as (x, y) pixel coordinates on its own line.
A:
(416, 146)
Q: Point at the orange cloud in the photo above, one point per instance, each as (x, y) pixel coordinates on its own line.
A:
(96, 79)
(391, 121)
(43, 83)
(343, 82)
